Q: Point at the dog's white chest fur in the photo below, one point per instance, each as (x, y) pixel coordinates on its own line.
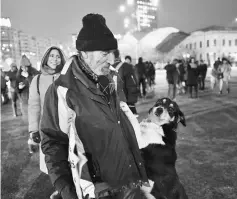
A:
(151, 133)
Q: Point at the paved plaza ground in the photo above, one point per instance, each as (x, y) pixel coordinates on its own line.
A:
(206, 147)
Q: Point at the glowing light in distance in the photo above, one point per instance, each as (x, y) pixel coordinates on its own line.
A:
(122, 8)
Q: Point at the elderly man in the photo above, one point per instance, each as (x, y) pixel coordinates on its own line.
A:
(87, 139)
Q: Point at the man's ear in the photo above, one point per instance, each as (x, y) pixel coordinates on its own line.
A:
(182, 118)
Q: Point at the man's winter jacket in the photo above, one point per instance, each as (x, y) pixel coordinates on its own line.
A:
(86, 136)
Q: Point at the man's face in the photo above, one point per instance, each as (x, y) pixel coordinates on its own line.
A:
(99, 61)
(128, 61)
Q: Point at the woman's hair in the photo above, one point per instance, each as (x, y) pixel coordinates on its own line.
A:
(46, 57)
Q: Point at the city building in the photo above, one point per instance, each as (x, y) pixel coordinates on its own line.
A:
(15, 43)
(208, 44)
(146, 14)
(9, 40)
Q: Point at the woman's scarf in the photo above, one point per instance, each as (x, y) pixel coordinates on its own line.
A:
(51, 71)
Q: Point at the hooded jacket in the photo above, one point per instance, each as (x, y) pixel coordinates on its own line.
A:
(36, 100)
(82, 128)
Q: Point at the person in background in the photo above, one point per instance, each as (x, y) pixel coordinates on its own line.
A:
(224, 73)
(127, 88)
(13, 90)
(51, 65)
(89, 143)
(192, 80)
(172, 77)
(202, 68)
(214, 79)
(4, 90)
(141, 72)
(128, 59)
(23, 79)
(150, 74)
(181, 81)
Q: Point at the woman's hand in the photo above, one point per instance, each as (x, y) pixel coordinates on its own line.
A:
(25, 74)
(21, 85)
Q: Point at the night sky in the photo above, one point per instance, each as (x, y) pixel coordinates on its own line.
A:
(60, 18)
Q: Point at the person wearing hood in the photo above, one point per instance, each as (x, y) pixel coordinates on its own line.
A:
(51, 66)
(13, 91)
(23, 80)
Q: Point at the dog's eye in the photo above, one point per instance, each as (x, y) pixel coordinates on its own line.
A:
(170, 109)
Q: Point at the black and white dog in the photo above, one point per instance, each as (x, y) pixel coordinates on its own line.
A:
(158, 134)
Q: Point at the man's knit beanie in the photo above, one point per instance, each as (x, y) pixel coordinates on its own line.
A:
(95, 35)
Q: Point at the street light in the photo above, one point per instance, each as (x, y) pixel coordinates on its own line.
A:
(126, 21)
(122, 8)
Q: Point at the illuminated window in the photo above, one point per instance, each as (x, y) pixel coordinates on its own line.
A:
(223, 42)
(214, 56)
(214, 42)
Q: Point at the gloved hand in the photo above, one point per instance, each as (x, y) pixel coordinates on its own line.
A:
(33, 141)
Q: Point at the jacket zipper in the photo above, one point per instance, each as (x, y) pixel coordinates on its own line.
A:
(133, 79)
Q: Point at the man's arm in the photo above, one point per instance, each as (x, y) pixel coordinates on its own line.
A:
(55, 144)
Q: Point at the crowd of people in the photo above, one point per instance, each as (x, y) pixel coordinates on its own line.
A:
(188, 76)
(75, 110)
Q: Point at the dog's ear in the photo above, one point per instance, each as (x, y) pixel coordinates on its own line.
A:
(182, 118)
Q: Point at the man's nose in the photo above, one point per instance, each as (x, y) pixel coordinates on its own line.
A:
(110, 58)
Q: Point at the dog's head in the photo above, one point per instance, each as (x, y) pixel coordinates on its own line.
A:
(166, 111)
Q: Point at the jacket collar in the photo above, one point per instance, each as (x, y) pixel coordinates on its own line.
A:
(72, 71)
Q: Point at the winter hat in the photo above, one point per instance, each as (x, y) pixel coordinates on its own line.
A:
(95, 35)
(25, 61)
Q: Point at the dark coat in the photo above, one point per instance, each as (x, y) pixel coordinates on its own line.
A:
(202, 70)
(192, 76)
(172, 74)
(106, 134)
(141, 70)
(181, 72)
(12, 78)
(130, 85)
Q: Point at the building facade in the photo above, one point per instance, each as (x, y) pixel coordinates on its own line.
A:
(209, 43)
(146, 13)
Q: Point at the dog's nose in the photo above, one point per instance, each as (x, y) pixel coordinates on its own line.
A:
(159, 111)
